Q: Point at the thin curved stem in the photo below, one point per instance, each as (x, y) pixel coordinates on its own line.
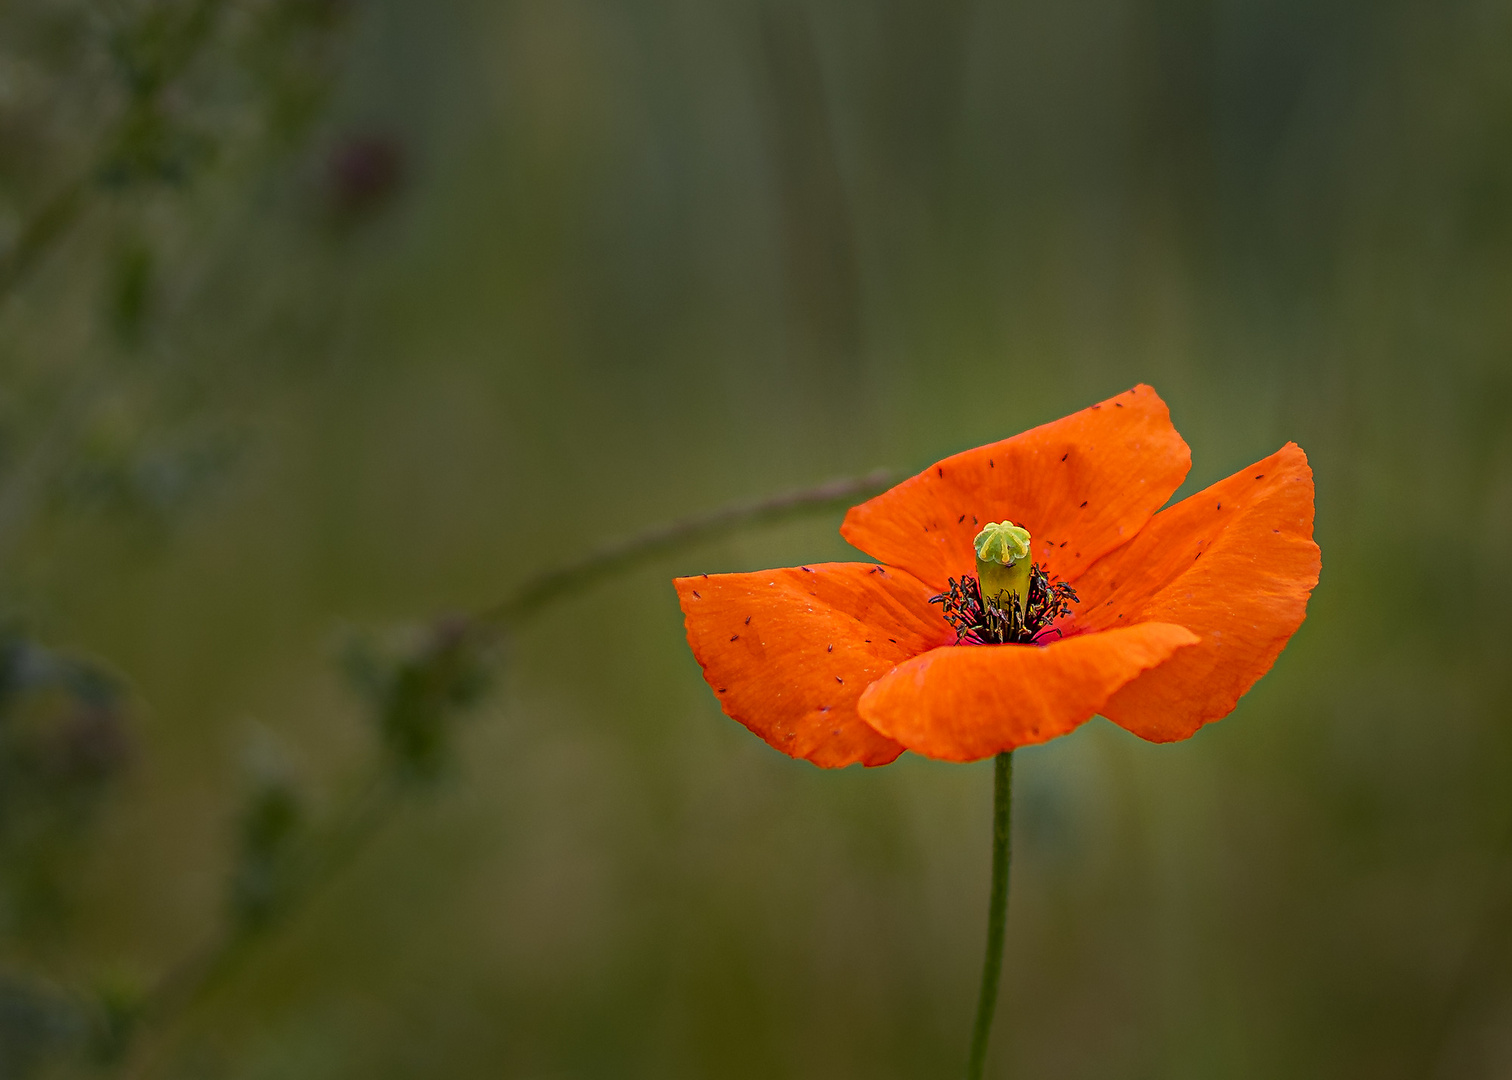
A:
(997, 911)
(617, 557)
(194, 979)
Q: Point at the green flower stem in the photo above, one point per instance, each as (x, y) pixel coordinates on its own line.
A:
(997, 910)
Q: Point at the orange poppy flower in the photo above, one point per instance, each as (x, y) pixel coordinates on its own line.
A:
(1176, 613)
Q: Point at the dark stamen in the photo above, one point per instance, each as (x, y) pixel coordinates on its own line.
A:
(979, 623)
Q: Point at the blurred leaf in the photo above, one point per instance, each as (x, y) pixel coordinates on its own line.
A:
(271, 824)
(63, 741)
(35, 1024)
(417, 683)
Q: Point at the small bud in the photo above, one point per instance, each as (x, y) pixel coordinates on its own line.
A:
(1002, 550)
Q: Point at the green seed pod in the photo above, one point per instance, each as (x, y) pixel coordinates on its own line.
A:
(1002, 550)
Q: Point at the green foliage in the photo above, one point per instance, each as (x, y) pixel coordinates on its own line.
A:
(131, 292)
(417, 684)
(63, 742)
(35, 1024)
(41, 1025)
(271, 824)
(114, 1014)
(135, 120)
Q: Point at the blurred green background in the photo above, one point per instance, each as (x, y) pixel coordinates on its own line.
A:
(321, 319)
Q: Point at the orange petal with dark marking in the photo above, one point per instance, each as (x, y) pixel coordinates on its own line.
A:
(1082, 486)
(1235, 564)
(969, 702)
(788, 652)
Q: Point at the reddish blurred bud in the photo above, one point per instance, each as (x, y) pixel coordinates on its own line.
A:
(92, 744)
(363, 173)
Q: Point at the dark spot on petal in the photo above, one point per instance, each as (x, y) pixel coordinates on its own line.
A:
(824, 708)
(839, 680)
(696, 596)
(748, 620)
(893, 640)
(1063, 543)
(1083, 506)
(1097, 406)
(1199, 555)
(960, 519)
(1220, 506)
(974, 521)
(939, 471)
(1118, 404)
(830, 649)
(805, 569)
(990, 465)
(1065, 455)
(867, 640)
(734, 637)
(723, 689)
(1260, 477)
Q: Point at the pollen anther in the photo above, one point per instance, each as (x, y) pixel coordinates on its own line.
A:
(977, 620)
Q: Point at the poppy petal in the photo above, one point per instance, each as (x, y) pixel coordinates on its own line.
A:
(1082, 485)
(961, 703)
(789, 651)
(1236, 564)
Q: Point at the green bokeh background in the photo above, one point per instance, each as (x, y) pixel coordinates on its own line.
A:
(643, 259)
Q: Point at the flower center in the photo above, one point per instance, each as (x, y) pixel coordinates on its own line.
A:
(1010, 600)
(1003, 567)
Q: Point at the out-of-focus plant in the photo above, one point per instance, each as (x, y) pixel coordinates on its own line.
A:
(169, 88)
(63, 741)
(416, 684)
(63, 744)
(273, 819)
(41, 1025)
(35, 1023)
(122, 126)
(128, 123)
(133, 115)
